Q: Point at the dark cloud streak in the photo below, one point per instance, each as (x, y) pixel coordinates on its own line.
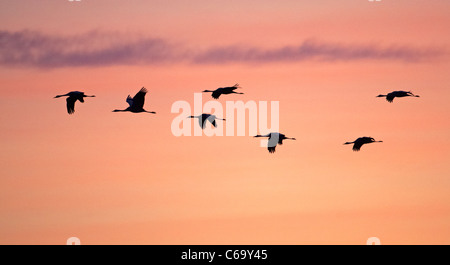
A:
(29, 48)
(313, 50)
(95, 48)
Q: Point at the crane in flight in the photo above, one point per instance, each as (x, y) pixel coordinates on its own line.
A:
(136, 104)
(274, 139)
(397, 94)
(72, 97)
(206, 117)
(362, 140)
(223, 91)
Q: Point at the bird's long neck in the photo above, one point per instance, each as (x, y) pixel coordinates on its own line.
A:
(382, 96)
(208, 91)
(93, 96)
(349, 142)
(120, 110)
(58, 96)
(194, 116)
(290, 138)
(151, 112)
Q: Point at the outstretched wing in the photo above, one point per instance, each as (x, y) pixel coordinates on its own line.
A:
(139, 98)
(71, 104)
(129, 100)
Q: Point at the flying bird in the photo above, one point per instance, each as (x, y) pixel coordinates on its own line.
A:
(360, 141)
(206, 117)
(72, 98)
(397, 94)
(224, 90)
(274, 139)
(136, 103)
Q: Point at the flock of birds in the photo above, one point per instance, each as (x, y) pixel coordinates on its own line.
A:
(136, 105)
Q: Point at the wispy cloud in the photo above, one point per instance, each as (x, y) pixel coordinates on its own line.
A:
(96, 48)
(314, 50)
(30, 48)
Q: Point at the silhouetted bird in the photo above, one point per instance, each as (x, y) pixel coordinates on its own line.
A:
(274, 139)
(72, 98)
(206, 117)
(224, 90)
(136, 103)
(362, 140)
(397, 94)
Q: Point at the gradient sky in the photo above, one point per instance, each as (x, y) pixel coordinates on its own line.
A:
(123, 178)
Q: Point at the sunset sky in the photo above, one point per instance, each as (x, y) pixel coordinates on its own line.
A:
(124, 178)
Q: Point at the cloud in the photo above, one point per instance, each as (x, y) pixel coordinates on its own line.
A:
(314, 50)
(96, 48)
(30, 48)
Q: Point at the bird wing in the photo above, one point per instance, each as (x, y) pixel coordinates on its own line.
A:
(399, 92)
(201, 122)
(271, 149)
(390, 97)
(280, 138)
(357, 145)
(216, 94)
(210, 118)
(139, 98)
(273, 141)
(71, 104)
(130, 100)
(229, 89)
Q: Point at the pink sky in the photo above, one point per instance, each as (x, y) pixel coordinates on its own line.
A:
(123, 178)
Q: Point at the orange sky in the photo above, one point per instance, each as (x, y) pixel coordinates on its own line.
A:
(123, 178)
